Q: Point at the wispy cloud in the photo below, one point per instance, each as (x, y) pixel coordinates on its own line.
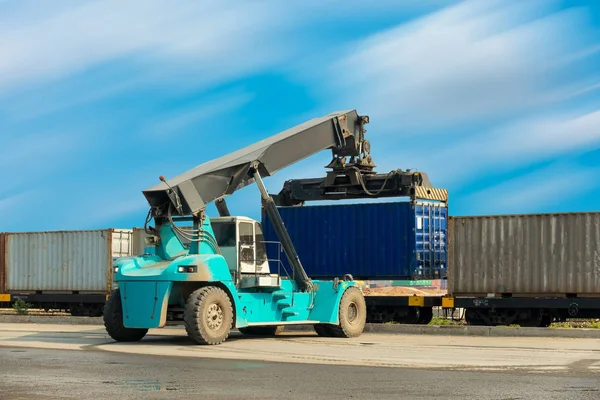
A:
(469, 62)
(204, 42)
(479, 89)
(71, 40)
(537, 138)
(511, 147)
(547, 188)
(211, 107)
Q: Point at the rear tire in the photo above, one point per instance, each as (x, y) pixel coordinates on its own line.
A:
(113, 321)
(208, 316)
(352, 315)
(323, 330)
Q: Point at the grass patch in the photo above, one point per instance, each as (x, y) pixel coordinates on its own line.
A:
(443, 321)
(574, 324)
(21, 307)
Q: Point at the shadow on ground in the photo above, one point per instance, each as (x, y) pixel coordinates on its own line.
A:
(168, 336)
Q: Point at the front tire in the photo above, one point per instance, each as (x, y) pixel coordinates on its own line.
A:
(113, 321)
(352, 316)
(208, 316)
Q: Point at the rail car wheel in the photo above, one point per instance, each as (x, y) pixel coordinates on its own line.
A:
(546, 321)
(208, 315)
(472, 317)
(90, 310)
(77, 310)
(352, 316)
(537, 318)
(425, 315)
(412, 316)
(113, 321)
(263, 330)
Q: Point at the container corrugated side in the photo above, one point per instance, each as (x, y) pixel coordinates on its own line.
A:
(139, 245)
(64, 261)
(536, 254)
(2, 263)
(369, 241)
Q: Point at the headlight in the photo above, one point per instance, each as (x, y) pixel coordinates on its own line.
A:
(115, 269)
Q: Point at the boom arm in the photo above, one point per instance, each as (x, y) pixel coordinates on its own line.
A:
(189, 193)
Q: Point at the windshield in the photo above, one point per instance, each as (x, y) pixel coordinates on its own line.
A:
(224, 233)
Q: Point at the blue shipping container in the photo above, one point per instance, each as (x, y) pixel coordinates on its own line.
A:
(392, 240)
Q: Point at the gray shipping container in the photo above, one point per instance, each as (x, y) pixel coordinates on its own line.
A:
(139, 245)
(526, 255)
(61, 261)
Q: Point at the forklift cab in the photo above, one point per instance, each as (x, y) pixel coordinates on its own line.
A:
(242, 245)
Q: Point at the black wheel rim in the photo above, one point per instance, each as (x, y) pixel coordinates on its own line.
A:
(352, 312)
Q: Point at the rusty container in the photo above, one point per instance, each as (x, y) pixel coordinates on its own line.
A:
(525, 255)
(2, 263)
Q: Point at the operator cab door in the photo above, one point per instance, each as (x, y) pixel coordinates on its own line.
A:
(251, 249)
(226, 236)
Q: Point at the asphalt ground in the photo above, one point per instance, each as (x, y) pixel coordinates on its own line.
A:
(51, 361)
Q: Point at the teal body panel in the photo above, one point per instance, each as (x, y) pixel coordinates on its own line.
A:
(144, 303)
(290, 306)
(149, 284)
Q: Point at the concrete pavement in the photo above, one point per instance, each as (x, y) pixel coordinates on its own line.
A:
(445, 330)
(400, 351)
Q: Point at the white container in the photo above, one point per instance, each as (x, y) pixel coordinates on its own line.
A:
(63, 261)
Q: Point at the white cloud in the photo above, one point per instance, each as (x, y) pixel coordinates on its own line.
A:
(172, 122)
(541, 137)
(516, 145)
(194, 42)
(203, 34)
(465, 63)
(546, 188)
(68, 95)
(476, 88)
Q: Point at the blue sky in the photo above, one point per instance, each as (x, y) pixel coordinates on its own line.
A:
(498, 101)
